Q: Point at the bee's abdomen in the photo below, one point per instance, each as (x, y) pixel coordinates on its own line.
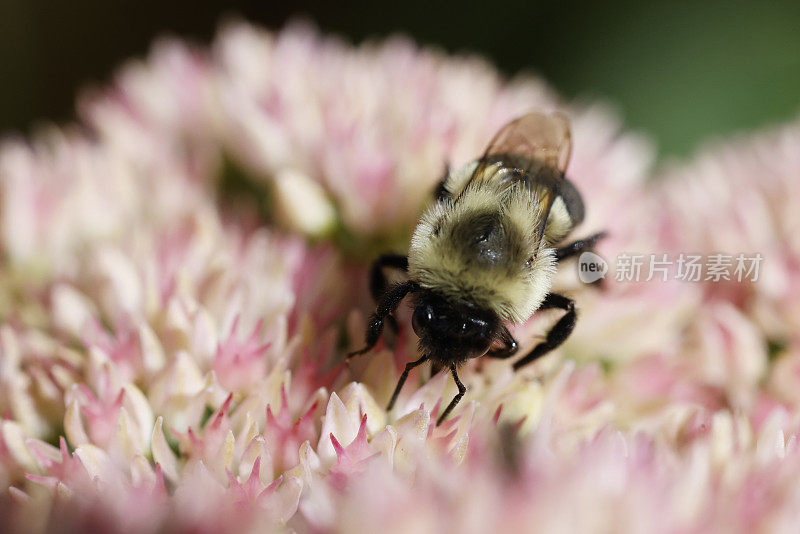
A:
(572, 199)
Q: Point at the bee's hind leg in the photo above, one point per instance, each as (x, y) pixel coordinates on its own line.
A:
(558, 333)
(576, 247)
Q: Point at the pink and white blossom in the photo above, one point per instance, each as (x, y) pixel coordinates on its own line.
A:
(171, 350)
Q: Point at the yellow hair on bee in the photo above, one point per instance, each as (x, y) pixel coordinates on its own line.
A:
(482, 255)
(559, 222)
(486, 247)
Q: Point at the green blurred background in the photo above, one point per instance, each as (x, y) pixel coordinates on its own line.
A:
(682, 71)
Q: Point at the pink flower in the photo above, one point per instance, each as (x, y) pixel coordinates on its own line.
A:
(181, 341)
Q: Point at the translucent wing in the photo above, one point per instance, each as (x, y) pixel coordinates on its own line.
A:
(533, 150)
(531, 144)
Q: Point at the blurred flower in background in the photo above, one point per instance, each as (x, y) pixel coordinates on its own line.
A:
(183, 271)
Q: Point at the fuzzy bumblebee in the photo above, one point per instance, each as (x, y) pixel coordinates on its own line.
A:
(485, 253)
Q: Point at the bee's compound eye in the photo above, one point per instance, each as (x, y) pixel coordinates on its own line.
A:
(422, 318)
(478, 328)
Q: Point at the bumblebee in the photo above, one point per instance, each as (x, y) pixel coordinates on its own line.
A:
(485, 253)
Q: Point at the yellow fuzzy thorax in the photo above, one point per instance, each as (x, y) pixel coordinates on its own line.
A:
(513, 288)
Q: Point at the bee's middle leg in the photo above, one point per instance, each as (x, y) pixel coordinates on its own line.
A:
(378, 282)
(387, 304)
(576, 247)
(558, 333)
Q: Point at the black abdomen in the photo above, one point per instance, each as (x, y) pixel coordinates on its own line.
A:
(573, 201)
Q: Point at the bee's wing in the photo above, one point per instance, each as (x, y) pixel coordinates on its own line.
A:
(537, 147)
(532, 142)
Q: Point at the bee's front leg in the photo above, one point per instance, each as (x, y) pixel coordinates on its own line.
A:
(510, 346)
(560, 331)
(403, 377)
(461, 390)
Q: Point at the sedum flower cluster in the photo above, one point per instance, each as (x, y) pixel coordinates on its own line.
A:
(183, 270)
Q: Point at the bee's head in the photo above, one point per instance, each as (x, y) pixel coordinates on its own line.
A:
(452, 331)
